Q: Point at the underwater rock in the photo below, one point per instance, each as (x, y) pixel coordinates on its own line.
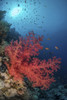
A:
(2, 98)
(5, 58)
(3, 68)
(10, 93)
(0, 64)
(2, 14)
(0, 59)
(11, 90)
(57, 93)
(65, 86)
(20, 91)
(34, 97)
(5, 75)
(2, 47)
(12, 35)
(1, 93)
(26, 96)
(1, 84)
(60, 87)
(7, 85)
(4, 29)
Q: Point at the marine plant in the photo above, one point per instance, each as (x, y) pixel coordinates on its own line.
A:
(24, 62)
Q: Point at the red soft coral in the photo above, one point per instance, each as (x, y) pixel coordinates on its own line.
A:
(23, 62)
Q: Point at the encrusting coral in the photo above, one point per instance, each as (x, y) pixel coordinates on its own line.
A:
(23, 62)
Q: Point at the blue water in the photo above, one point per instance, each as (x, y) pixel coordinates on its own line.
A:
(44, 17)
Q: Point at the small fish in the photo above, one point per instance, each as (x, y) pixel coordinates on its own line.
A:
(47, 48)
(48, 39)
(25, 1)
(6, 2)
(18, 5)
(56, 48)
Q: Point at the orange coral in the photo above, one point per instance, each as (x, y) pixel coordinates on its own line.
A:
(23, 62)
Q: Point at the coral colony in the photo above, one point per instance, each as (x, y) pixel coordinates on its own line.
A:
(24, 63)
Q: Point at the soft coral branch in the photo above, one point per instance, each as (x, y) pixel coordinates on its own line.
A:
(40, 73)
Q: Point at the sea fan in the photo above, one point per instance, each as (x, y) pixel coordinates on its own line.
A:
(23, 62)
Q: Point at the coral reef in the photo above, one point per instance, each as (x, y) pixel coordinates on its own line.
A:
(58, 92)
(10, 88)
(6, 33)
(12, 35)
(19, 62)
(2, 47)
(4, 29)
(23, 62)
(2, 14)
(4, 26)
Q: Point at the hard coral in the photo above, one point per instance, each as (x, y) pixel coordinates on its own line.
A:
(23, 62)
